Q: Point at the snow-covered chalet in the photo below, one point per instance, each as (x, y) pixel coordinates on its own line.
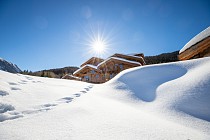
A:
(97, 70)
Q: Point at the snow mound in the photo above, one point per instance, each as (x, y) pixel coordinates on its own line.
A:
(202, 35)
(180, 86)
(144, 81)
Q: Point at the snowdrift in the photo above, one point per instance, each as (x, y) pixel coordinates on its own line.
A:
(180, 86)
(164, 101)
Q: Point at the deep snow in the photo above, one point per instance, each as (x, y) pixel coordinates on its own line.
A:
(164, 101)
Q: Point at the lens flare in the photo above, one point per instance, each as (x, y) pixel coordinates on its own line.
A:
(98, 41)
(98, 46)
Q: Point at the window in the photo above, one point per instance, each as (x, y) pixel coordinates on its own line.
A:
(111, 76)
(116, 66)
(97, 76)
(86, 78)
(92, 72)
(103, 77)
(121, 66)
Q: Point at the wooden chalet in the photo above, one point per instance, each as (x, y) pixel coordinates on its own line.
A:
(197, 47)
(97, 70)
(117, 63)
(89, 73)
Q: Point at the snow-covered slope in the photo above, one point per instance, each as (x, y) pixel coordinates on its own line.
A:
(9, 67)
(166, 101)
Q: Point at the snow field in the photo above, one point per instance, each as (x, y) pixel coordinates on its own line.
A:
(164, 101)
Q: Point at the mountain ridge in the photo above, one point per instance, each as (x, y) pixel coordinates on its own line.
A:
(8, 66)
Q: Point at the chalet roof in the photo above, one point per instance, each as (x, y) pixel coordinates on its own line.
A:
(69, 75)
(131, 56)
(199, 37)
(125, 55)
(85, 66)
(136, 54)
(92, 59)
(121, 59)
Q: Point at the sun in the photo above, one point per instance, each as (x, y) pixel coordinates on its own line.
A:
(98, 46)
(98, 41)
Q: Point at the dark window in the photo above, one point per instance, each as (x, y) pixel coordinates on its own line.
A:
(121, 66)
(93, 72)
(86, 78)
(97, 76)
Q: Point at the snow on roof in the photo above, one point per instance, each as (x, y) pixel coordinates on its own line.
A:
(202, 35)
(135, 56)
(138, 57)
(87, 65)
(95, 58)
(121, 59)
(131, 55)
(96, 67)
(74, 76)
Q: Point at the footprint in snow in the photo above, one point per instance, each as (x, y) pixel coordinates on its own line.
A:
(14, 88)
(66, 99)
(23, 82)
(83, 91)
(9, 116)
(7, 112)
(3, 93)
(49, 105)
(29, 78)
(34, 111)
(90, 86)
(41, 108)
(11, 83)
(6, 107)
(87, 89)
(77, 95)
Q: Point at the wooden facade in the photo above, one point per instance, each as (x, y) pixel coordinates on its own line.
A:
(197, 47)
(97, 70)
(89, 73)
(114, 66)
(198, 50)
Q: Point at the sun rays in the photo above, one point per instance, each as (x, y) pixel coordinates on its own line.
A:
(98, 41)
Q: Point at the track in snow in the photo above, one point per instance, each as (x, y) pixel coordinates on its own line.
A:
(8, 112)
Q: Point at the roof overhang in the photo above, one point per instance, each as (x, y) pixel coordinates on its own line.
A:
(86, 67)
(129, 62)
(92, 59)
(195, 49)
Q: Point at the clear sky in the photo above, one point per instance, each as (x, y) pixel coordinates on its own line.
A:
(44, 34)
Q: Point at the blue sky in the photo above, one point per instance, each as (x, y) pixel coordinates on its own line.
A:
(43, 34)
